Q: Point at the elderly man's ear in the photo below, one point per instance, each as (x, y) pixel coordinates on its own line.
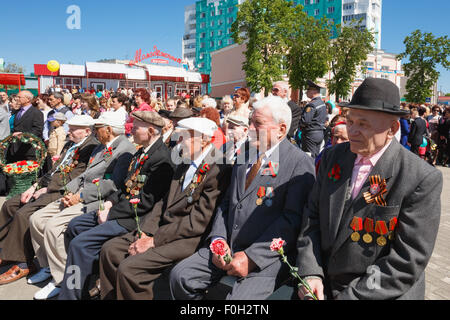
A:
(395, 126)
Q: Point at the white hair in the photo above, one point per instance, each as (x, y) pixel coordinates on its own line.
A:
(282, 84)
(210, 102)
(281, 113)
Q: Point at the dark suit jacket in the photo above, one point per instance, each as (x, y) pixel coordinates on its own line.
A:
(32, 121)
(180, 227)
(251, 228)
(296, 116)
(324, 245)
(55, 182)
(418, 129)
(159, 171)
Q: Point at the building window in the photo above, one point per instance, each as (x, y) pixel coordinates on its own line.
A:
(230, 10)
(202, 45)
(330, 10)
(202, 25)
(229, 31)
(348, 6)
(230, 41)
(212, 13)
(219, 43)
(202, 15)
(201, 56)
(385, 68)
(202, 35)
(220, 22)
(212, 23)
(211, 34)
(230, 20)
(316, 12)
(211, 44)
(220, 33)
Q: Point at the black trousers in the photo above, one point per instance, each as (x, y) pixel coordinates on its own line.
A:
(311, 141)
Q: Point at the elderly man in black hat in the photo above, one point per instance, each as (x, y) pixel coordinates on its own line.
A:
(312, 121)
(370, 225)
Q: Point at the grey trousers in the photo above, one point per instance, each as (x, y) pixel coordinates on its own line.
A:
(190, 278)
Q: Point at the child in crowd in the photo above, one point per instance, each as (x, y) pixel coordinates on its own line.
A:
(57, 134)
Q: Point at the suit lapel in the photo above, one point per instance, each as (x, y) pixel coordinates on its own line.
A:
(338, 191)
(358, 207)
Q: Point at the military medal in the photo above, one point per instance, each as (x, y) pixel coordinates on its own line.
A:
(261, 193)
(376, 191)
(368, 226)
(269, 196)
(196, 180)
(392, 226)
(381, 229)
(271, 170)
(190, 199)
(356, 225)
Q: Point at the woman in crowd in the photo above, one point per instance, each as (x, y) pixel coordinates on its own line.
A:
(14, 107)
(40, 102)
(226, 107)
(241, 103)
(142, 99)
(212, 114)
(90, 106)
(103, 104)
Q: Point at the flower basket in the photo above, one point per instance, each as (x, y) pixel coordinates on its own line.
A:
(23, 173)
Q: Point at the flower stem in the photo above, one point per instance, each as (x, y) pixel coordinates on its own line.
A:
(295, 274)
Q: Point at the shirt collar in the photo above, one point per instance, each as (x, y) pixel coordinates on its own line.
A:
(269, 152)
(374, 158)
(111, 142)
(148, 148)
(200, 158)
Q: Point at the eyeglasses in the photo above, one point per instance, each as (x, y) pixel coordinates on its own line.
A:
(275, 89)
(236, 96)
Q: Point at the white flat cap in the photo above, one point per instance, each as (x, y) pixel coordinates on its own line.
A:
(81, 121)
(238, 120)
(202, 125)
(111, 119)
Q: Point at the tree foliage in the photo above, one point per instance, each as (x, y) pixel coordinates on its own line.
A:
(349, 50)
(14, 68)
(309, 54)
(264, 26)
(424, 52)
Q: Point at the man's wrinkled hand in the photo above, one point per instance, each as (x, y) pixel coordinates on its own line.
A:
(316, 286)
(240, 266)
(39, 193)
(27, 195)
(141, 245)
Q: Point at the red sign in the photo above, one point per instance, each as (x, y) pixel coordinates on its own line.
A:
(156, 53)
(161, 61)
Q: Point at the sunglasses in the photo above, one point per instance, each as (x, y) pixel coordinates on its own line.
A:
(236, 96)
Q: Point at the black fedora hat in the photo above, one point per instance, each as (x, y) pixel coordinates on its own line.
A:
(377, 95)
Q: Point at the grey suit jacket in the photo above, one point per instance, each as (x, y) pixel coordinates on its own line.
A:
(111, 171)
(251, 228)
(326, 249)
(4, 124)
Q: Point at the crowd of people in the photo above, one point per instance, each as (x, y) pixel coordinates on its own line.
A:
(134, 187)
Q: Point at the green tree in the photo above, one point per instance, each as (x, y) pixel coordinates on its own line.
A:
(424, 52)
(264, 26)
(14, 68)
(349, 50)
(309, 53)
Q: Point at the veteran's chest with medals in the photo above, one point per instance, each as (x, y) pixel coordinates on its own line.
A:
(198, 178)
(136, 181)
(375, 230)
(67, 168)
(266, 193)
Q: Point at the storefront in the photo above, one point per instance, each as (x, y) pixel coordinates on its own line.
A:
(166, 81)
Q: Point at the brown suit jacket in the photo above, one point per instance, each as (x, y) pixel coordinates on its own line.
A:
(180, 227)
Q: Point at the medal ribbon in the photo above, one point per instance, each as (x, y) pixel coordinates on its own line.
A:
(368, 225)
(381, 228)
(261, 192)
(393, 224)
(378, 197)
(356, 224)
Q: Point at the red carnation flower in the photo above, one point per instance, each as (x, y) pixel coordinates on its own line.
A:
(277, 244)
(218, 247)
(135, 201)
(95, 181)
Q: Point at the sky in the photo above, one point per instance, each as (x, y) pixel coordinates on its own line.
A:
(35, 31)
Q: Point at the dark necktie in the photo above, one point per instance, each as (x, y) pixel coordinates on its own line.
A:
(253, 172)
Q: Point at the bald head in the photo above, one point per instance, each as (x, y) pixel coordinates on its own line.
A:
(25, 98)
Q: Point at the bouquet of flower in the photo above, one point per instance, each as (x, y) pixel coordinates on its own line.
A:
(135, 203)
(277, 246)
(218, 247)
(101, 206)
(21, 167)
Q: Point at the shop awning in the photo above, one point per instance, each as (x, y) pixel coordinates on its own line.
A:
(71, 70)
(12, 79)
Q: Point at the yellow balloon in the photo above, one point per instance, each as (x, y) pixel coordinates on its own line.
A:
(53, 66)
